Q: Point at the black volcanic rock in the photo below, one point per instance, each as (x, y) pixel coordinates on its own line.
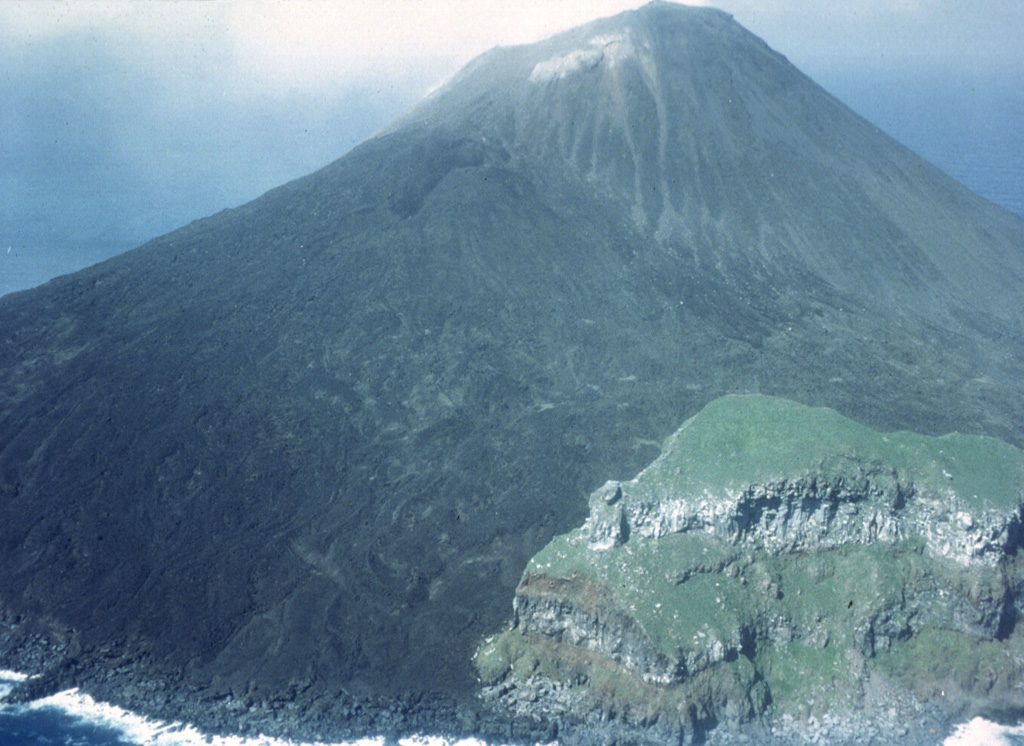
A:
(317, 438)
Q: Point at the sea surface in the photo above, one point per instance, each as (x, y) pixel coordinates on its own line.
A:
(23, 267)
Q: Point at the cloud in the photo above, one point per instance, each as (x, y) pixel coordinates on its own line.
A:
(278, 46)
(354, 33)
(249, 48)
(946, 33)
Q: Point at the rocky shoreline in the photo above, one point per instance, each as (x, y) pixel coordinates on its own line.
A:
(848, 587)
(501, 714)
(896, 719)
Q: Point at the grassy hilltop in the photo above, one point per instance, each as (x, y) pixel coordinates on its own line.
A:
(779, 559)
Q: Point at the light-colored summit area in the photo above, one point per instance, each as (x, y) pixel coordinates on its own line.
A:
(721, 147)
(778, 559)
(610, 50)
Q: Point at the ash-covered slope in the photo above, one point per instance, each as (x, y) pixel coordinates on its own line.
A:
(312, 442)
(723, 151)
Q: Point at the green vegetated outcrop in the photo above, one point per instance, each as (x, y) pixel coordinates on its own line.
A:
(776, 563)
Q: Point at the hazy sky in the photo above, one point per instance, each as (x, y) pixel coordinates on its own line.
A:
(120, 121)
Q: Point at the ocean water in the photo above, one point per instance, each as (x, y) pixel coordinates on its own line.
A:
(26, 266)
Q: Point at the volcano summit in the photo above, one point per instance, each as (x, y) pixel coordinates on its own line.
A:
(300, 452)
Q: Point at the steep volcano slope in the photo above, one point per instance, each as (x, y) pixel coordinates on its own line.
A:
(318, 437)
(722, 150)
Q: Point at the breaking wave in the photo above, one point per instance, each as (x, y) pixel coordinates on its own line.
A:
(981, 732)
(114, 726)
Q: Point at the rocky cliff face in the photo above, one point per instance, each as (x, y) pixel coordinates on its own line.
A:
(848, 501)
(780, 560)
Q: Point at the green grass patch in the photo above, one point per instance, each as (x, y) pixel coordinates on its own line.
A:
(844, 587)
(933, 658)
(752, 439)
(643, 578)
(798, 675)
(495, 656)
